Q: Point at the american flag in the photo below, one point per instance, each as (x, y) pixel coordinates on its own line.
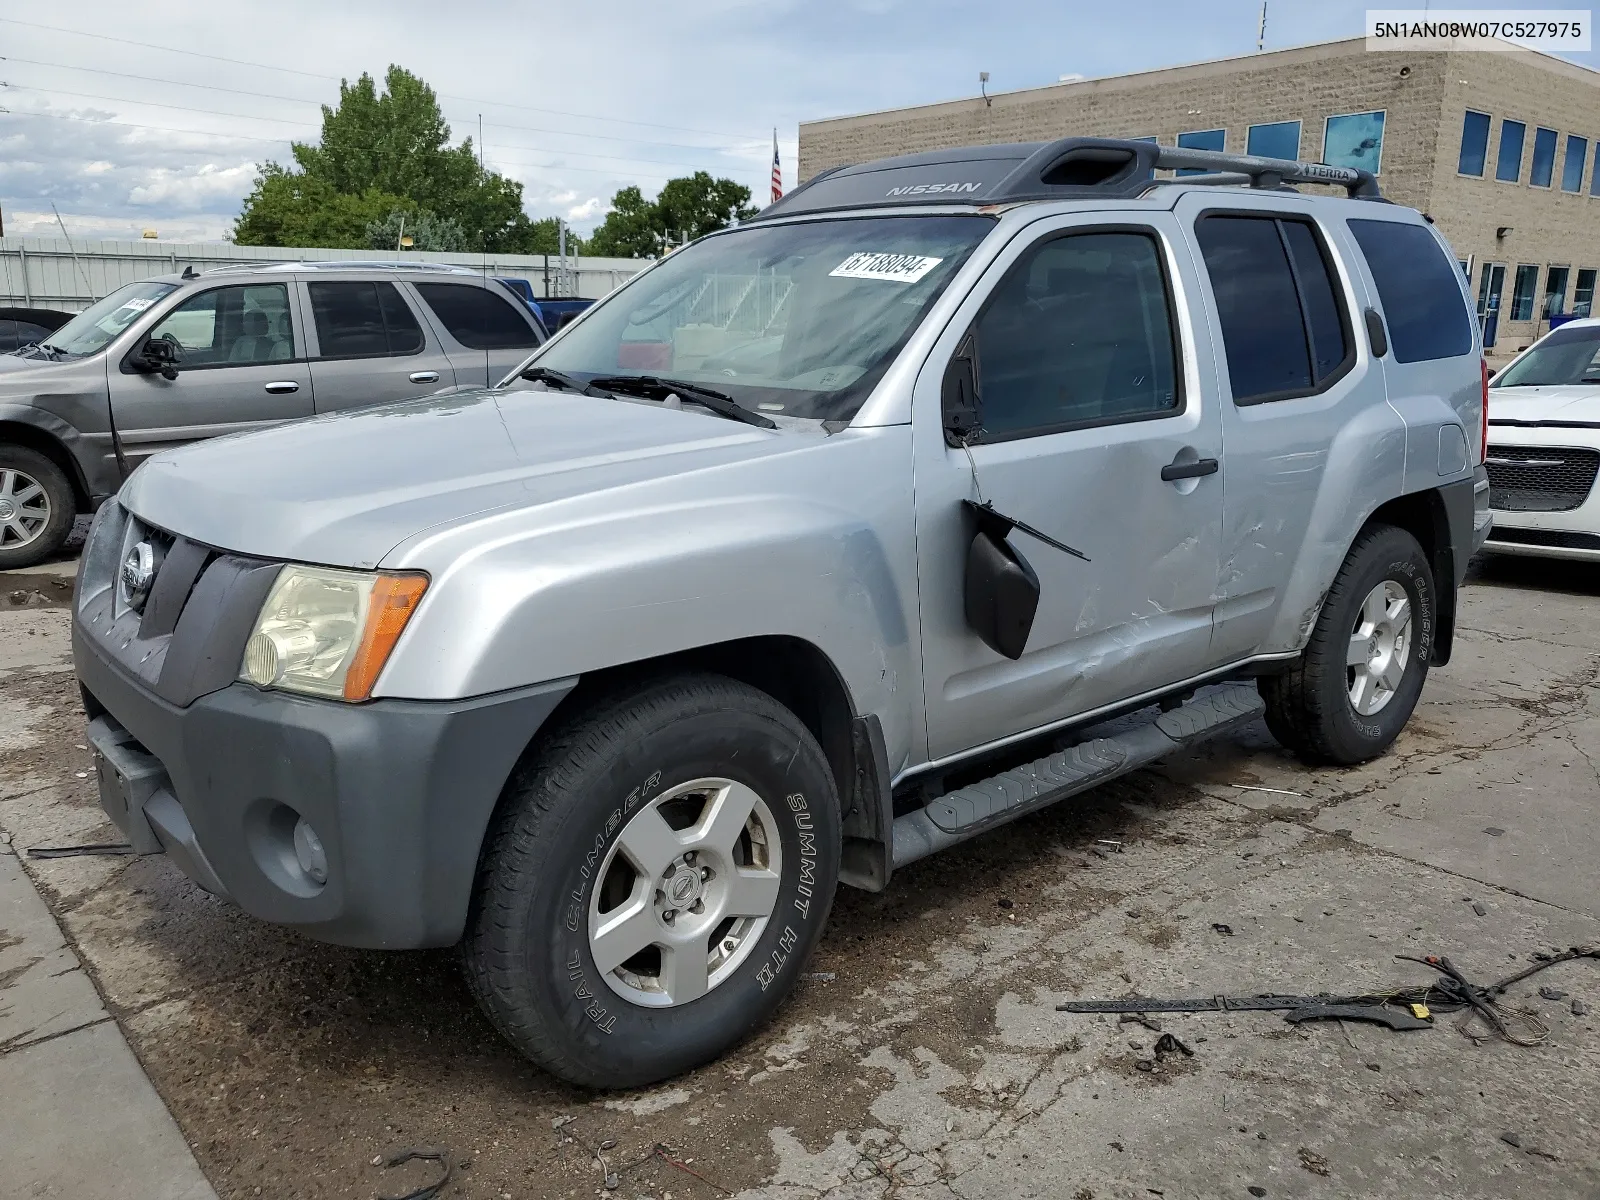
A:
(777, 170)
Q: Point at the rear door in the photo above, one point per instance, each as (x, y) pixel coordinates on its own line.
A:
(483, 332)
(1099, 430)
(243, 368)
(369, 345)
(1305, 419)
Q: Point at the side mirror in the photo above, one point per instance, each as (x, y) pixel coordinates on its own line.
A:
(963, 415)
(1001, 590)
(158, 356)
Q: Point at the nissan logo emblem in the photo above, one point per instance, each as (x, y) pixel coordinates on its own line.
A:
(138, 572)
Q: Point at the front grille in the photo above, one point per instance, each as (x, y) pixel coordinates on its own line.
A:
(1540, 479)
(1561, 539)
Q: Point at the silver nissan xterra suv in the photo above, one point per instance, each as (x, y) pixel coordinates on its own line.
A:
(828, 542)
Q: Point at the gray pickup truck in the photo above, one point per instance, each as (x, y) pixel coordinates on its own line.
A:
(950, 487)
(164, 361)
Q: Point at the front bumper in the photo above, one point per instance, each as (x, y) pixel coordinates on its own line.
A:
(1569, 533)
(399, 792)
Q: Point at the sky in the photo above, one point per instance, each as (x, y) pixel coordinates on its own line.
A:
(158, 122)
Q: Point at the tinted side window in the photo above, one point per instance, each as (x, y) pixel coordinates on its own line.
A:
(1417, 283)
(1078, 333)
(28, 332)
(1283, 328)
(477, 318)
(363, 320)
(232, 326)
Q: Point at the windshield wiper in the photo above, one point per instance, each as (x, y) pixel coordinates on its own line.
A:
(655, 388)
(546, 375)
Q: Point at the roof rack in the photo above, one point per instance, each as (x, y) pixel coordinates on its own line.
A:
(360, 264)
(1069, 168)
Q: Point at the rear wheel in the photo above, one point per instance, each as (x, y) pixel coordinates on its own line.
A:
(36, 507)
(661, 869)
(1354, 688)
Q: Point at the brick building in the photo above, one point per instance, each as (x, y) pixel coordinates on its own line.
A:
(1499, 149)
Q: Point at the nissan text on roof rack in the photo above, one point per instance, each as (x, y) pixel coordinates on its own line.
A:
(767, 573)
(176, 358)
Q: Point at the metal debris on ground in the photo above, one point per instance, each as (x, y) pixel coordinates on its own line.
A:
(1400, 1008)
(820, 976)
(79, 851)
(1245, 787)
(1115, 845)
(428, 1191)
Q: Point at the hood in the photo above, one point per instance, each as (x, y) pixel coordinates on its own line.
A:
(1557, 402)
(344, 489)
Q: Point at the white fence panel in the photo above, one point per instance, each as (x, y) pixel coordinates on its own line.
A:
(51, 273)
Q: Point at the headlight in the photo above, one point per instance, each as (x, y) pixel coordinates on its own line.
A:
(326, 632)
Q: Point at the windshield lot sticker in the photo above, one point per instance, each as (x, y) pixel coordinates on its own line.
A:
(896, 268)
(138, 303)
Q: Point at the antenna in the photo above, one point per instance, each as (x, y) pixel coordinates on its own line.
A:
(1261, 30)
(73, 250)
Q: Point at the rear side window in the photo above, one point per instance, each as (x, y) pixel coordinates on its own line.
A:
(1284, 329)
(363, 320)
(1078, 333)
(477, 318)
(1420, 290)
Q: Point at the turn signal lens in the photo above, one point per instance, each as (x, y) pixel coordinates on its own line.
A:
(394, 598)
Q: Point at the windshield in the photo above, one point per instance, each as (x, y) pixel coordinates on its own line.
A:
(800, 320)
(97, 325)
(1569, 355)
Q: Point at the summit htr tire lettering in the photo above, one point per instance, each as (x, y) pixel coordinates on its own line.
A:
(562, 877)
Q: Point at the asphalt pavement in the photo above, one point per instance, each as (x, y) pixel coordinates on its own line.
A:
(922, 1057)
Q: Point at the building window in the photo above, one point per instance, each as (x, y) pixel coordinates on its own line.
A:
(1577, 159)
(1544, 158)
(1281, 139)
(1354, 140)
(1583, 295)
(1594, 181)
(1201, 139)
(1522, 292)
(1508, 167)
(1474, 143)
(1555, 292)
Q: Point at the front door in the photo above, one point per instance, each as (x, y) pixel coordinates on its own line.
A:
(242, 368)
(1490, 288)
(370, 346)
(1090, 385)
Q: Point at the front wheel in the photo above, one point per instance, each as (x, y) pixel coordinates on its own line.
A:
(36, 507)
(660, 871)
(1362, 672)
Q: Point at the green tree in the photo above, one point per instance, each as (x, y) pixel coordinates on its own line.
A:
(690, 206)
(382, 151)
(426, 231)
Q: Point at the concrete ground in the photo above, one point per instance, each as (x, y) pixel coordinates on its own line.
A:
(923, 1056)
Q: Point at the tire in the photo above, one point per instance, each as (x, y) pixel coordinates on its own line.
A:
(37, 507)
(1318, 708)
(581, 819)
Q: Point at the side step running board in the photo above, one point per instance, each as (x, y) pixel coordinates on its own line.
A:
(968, 811)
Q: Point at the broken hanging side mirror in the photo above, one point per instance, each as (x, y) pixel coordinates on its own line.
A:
(962, 415)
(1002, 589)
(159, 356)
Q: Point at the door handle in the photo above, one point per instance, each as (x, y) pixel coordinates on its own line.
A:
(1175, 471)
(283, 387)
(424, 377)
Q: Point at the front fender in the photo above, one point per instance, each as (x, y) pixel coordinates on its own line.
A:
(92, 455)
(821, 550)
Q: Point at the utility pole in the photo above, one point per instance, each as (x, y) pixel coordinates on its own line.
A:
(561, 274)
(1261, 30)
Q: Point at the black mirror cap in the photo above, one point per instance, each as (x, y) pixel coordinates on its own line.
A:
(158, 356)
(1002, 594)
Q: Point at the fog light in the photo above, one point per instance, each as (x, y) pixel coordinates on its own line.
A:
(308, 852)
(270, 656)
